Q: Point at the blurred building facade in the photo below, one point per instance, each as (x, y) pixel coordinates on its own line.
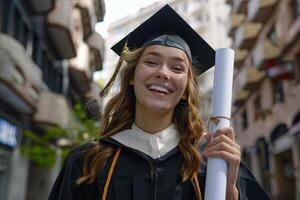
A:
(208, 18)
(48, 52)
(266, 113)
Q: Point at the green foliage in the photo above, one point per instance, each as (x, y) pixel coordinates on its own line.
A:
(39, 148)
(42, 149)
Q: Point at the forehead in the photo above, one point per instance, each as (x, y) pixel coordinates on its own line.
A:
(166, 52)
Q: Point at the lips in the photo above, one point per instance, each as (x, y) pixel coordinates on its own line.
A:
(159, 88)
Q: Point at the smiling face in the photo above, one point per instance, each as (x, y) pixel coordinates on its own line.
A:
(160, 79)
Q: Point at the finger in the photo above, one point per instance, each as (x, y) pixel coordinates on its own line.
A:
(223, 146)
(228, 131)
(232, 159)
(208, 138)
(220, 139)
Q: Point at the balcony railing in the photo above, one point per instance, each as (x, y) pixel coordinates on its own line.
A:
(60, 27)
(240, 56)
(234, 22)
(99, 6)
(53, 110)
(80, 68)
(240, 97)
(97, 46)
(19, 74)
(246, 35)
(260, 10)
(254, 77)
(41, 6)
(240, 6)
(88, 14)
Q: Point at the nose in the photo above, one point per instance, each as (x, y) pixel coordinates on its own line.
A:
(163, 72)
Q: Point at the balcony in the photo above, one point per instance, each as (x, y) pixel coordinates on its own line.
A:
(97, 46)
(261, 10)
(240, 97)
(20, 79)
(246, 35)
(253, 78)
(80, 69)
(99, 7)
(240, 56)
(236, 20)
(53, 110)
(239, 6)
(60, 27)
(88, 16)
(263, 51)
(41, 6)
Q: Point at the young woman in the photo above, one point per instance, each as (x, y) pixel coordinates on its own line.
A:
(152, 144)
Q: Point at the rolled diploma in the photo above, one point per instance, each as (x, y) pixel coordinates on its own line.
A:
(216, 174)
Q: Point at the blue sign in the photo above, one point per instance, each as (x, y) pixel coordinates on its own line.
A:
(8, 133)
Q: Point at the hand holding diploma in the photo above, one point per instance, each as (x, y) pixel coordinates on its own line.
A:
(222, 149)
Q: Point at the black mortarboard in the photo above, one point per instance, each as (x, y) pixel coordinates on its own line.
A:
(167, 28)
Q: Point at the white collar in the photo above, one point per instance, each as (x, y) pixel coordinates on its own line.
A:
(154, 145)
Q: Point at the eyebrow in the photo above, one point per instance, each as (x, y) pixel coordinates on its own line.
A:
(180, 59)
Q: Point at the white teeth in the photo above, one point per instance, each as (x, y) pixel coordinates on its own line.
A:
(159, 88)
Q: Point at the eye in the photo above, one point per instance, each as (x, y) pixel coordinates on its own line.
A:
(151, 62)
(177, 68)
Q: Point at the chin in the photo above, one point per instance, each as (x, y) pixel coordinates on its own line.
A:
(160, 108)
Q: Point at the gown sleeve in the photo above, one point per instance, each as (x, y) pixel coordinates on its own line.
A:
(249, 188)
(64, 186)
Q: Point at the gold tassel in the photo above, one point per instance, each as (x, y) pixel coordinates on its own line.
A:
(111, 170)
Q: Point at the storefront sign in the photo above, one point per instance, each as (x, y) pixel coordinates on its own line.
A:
(8, 133)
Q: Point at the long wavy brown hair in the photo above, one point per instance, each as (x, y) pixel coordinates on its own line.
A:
(119, 115)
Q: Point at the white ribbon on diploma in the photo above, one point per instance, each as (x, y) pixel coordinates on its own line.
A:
(216, 175)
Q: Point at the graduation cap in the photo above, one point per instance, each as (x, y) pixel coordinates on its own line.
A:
(167, 28)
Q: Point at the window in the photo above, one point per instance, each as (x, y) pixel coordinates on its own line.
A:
(257, 108)
(272, 35)
(24, 35)
(36, 49)
(5, 6)
(297, 67)
(295, 8)
(244, 120)
(278, 93)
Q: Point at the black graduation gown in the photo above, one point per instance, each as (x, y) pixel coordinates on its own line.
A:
(138, 177)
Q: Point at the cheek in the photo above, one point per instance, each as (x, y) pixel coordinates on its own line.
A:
(182, 85)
